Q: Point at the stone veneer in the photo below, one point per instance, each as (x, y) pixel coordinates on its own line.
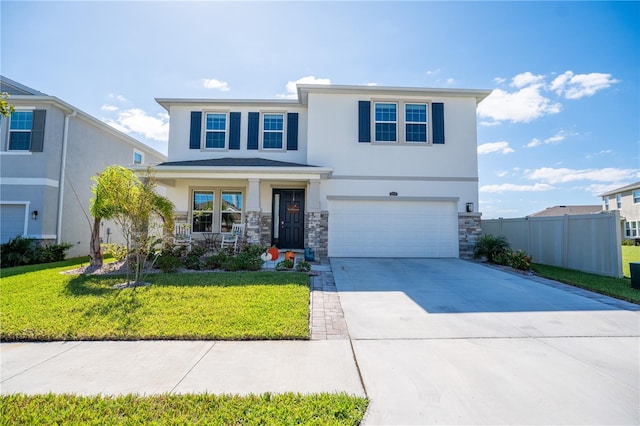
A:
(317, 233)
(468, 233)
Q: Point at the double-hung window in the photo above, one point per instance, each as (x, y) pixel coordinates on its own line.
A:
(415, 122)
(20, 126)
(636, 197)
(631, 229)
(215, 136)
(231, 210)
(606, 203)
(272, 131)
(202, 211)
(386, 122)
(618, 201)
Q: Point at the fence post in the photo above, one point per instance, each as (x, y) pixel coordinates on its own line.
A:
(565, 242)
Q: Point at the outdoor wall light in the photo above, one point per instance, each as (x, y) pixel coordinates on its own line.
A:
(469, 207)
(34, 214)
(393, 194)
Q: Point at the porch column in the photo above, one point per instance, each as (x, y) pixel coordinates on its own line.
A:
(316, 222)
(253, 212)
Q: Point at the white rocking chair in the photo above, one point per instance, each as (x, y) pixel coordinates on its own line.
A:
(182, 235)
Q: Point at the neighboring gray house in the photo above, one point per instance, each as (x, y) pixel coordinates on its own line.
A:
(627, 200)
(48, 152)
(570, 210)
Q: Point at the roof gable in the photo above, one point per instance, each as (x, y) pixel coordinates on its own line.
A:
(14, 88)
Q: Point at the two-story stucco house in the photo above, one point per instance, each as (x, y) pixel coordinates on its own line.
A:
(361, 171)
(48, 152)
(627, 200)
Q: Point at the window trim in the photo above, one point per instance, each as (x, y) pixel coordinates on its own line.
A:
(401, 122)
(9, 130)
(635, 196)
(192, 209)
(203, 139)
(618, 201)
(216, 221)
(262, 131)
(238, 191)
(136, 151)
(606, 203)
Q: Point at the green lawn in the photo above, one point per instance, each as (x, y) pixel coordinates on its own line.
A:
(39, 303)
(205, 409)
(615, 287)
(629, 254)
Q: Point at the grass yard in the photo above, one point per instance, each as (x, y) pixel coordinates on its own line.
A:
(267, 409)
(37, 303)
(629, 254)
(616, 287)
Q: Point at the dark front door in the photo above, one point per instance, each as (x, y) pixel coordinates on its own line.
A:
(288, 218)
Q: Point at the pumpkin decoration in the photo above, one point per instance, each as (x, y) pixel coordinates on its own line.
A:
(290, 256)
(275, 254)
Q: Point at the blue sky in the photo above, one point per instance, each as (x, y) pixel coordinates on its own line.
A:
(561, 126)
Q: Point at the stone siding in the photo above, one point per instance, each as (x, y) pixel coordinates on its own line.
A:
(265, 229)
(317, 233)
(468, 233)
(253, 228)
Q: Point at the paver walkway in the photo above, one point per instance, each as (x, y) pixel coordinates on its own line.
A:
(327, 319)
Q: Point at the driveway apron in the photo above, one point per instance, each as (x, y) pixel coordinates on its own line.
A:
(447, 341)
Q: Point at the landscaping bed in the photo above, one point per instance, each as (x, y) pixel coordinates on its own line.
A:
(267, 409)
(38, 303)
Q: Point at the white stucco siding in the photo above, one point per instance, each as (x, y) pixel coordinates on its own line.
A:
(180, 126)
(333, 140)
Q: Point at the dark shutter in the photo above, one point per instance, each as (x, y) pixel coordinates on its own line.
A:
(253, 131)
(364, 121)
(437, 117)
(196, 130)
(37, 130)
(292, 131)
(234, 130)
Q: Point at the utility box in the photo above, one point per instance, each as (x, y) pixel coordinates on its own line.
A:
(635, 274)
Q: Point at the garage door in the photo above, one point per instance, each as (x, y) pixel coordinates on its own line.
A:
(384, 228)
(11, 221)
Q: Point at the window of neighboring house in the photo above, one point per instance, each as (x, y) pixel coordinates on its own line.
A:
(202, 211)
(20, 125)
(631, 229)
(231, 210)
(415, 122)
(215, 131)
(618, 201)
(636, 197)
(606, 203)
(272, 131)
(138, 157)
(386, 122)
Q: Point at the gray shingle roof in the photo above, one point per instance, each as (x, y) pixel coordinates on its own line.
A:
(233, 162)
(14, 88)
(570, 210)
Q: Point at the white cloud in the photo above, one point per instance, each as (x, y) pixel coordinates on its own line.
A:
(526, 79)
(490, 147)
(564, 175)
(212, 83)
(521, 106)
(292, 90)
(371, 84)
(602, 152)
(502, 173)
(530, 98)
(576, 86)
(135, 120)
(109, 108)
(510, 187)
(433, 72)
(534, 142)
(117, 97)
(451, 81)
(599, 188)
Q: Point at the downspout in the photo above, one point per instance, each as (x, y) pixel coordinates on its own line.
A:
(63, 166)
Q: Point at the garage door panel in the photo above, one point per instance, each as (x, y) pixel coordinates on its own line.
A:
(12, 218)
(393, 229)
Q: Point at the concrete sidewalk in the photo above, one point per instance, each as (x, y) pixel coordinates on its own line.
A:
(153, 367)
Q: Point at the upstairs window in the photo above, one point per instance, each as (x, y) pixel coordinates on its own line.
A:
(215, 131)
(618, 201)
(636, 197)
(20, 126)
(606, 203)
(272, 131)
(386, 122)
(415, 122)
(138, 157)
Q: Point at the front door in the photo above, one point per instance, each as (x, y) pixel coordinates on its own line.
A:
(288, 218)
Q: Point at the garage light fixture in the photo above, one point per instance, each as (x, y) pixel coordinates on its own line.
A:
(393, 194)
(34, 215)
(469, 207)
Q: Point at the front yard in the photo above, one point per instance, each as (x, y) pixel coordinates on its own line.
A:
(629, 254)
(38, 303)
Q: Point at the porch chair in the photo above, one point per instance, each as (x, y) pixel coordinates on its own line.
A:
(182, 235)
(229, 240)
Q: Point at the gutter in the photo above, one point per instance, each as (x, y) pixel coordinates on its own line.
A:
(63, 165)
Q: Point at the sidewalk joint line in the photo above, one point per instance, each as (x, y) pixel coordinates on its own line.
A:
(184, 376)
(41, 362)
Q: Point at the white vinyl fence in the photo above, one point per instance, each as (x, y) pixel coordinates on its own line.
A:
(589, 243)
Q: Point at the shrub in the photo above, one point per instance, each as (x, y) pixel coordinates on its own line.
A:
(28, 251)
(217, 260)
(244, 261)
(491, 247)
(193, 259)
(628, 242)
(168, 260)
(520, 260)
(118, 251)
(303, 266)
(284, 265)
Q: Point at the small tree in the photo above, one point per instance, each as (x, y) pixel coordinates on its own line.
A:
(132, 202)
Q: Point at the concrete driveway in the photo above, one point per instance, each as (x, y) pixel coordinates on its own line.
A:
(446, 341)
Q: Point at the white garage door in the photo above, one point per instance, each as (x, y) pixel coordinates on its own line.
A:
(11, 221)
(384, 228)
